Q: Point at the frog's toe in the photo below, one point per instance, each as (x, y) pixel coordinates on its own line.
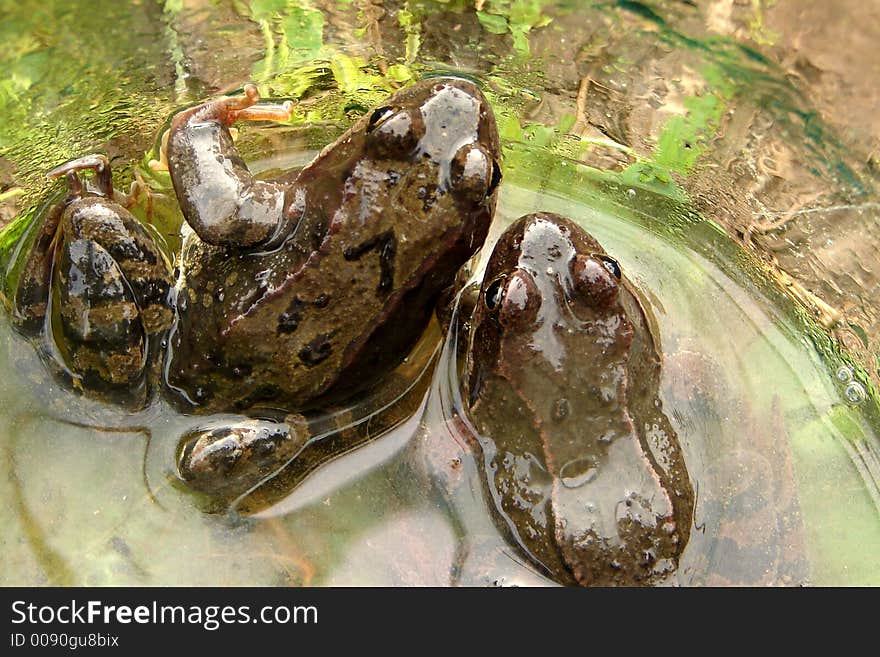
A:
(161, 164)
(226, 460)
(95, 162)
(228, 109)
(281, 112)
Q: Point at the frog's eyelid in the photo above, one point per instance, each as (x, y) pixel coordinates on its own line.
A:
(378, 116)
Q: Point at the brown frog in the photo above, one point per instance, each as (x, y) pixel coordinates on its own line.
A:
(583, 469)
(293, 293)
(300, 293)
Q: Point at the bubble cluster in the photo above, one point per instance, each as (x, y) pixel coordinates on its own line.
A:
(854, 391)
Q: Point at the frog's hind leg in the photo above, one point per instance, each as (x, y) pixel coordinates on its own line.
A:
(113, 286)
(31, 297)
(103, 285)
(103, 179)
(229, 109)
(101, 339)
(224, 459)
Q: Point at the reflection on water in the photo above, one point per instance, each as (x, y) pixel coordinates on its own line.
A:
(785, 465)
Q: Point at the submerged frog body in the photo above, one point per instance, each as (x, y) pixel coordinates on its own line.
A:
(561, 389)
(293, 293)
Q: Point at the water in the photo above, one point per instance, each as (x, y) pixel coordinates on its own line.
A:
(785, 465)
(777, 416)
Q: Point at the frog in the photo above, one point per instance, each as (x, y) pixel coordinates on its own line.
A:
(582, 470)
(288, 295)
(370, 233)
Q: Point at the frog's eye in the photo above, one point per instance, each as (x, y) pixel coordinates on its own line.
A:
(495, 179)
(495, 294)
(474, 174)
(596, 279)
(391, 133)
(610, 264)
(378, 116)
(513, 300)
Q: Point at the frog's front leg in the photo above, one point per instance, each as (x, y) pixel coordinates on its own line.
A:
(95, 285)
(218, 196)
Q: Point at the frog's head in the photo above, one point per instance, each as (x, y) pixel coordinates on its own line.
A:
(445, 129)
(545, 268)
(549, 291)
(425, 163)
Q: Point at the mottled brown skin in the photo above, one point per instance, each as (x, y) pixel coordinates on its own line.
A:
(367, 236)
(99, 330)
(324, 304)
(584, 469)
(293, 294)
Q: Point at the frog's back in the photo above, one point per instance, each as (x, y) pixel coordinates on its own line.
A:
(383, 219)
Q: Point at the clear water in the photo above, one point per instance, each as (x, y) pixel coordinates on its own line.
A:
(786, 495)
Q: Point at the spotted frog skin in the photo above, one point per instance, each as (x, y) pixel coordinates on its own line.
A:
(335, 292)
(95, 287)
(292, 293)
(584, 470)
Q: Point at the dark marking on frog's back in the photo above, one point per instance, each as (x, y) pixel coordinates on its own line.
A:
(317, 350)
(266, 392)
(289, 320)
(131, 251)
(385, 244)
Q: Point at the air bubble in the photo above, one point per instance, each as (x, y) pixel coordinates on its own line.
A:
(844, 374)
(578, 472)
(855, 393)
